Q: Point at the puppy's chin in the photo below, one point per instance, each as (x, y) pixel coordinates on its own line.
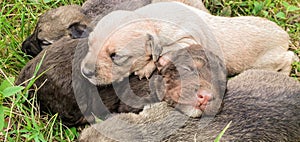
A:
(189, 110)
(93, 80)
(98, 82)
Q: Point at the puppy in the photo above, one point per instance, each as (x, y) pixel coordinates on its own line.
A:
(125, 42)
(262, 106)
(194, 80)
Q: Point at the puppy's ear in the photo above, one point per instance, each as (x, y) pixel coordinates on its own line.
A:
(153, 45)
(76, 30)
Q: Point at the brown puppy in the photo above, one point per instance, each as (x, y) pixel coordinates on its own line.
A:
(262, 106)
(64, 21)
(194, 80)
(117, 51)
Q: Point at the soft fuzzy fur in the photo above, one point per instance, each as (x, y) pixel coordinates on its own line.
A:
(262, 106)
(57, 93)
(193, 78)
(65, 86)
(246, 42)
(72, 20)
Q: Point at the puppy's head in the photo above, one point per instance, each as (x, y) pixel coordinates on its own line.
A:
(53, 25)
(187, 78)
(123, 52)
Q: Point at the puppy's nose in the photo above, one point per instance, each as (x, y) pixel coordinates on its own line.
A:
(88, 73)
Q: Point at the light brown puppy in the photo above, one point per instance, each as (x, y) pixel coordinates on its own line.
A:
(262, 106)
(245, 42)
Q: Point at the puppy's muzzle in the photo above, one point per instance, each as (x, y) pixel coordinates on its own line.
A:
(88, 71)
(31, 47)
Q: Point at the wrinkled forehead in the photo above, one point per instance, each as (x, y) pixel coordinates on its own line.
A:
(116, 26)
(189, 56)
(124, 33)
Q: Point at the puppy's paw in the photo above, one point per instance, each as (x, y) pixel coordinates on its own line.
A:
(146, 71)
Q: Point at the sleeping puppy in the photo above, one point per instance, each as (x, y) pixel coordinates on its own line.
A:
(194, 80)
(262, 106)
(126, 42)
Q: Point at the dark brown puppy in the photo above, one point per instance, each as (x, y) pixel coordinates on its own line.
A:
(262, 106)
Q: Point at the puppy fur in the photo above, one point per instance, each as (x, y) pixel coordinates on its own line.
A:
(57, 93)
(93, 8)
(246, 42)
(194, 80)
(72, 20)
(262, 106)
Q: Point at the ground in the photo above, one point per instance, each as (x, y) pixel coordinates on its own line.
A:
(17, 20)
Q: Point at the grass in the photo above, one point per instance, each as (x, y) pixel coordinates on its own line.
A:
(19, 122)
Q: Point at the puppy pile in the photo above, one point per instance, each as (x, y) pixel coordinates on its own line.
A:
(173, 60)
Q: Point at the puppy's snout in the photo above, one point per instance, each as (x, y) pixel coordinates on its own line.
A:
(203, 98)
(30, 47)
(88, 71)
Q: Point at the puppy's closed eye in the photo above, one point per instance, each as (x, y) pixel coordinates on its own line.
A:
(44, 42)
(119, 59)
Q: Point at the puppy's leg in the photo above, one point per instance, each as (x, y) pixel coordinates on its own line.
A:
(277, 60)
(288, 58)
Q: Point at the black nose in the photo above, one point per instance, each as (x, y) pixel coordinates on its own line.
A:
(87, 72)
(31, 47)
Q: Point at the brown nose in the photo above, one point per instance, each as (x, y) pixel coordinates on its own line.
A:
(87, 72)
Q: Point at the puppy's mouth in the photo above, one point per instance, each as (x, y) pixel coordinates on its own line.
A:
(201, 107)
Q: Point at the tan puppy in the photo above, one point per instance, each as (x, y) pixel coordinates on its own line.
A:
(125, 42)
